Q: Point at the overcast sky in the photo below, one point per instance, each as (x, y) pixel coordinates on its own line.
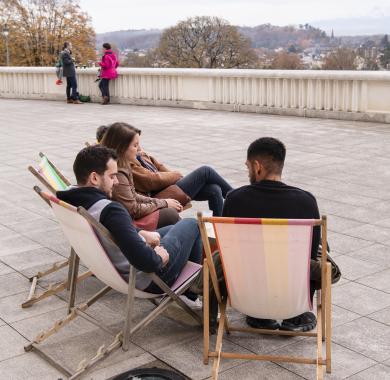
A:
(147, 14)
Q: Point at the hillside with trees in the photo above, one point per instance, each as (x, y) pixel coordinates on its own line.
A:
(261, 36)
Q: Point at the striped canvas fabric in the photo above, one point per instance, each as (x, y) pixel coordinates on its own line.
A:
(266, 264)
(48, 172)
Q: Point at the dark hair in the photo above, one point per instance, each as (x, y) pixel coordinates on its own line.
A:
(271, 151)
(92, 159)
(100, 132)
(66, 45)
(106, 45)
(119, 136)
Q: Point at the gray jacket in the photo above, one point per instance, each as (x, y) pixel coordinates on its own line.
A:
(67, 63)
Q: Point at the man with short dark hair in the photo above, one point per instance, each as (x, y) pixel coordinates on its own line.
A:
(164, 252)
(268, 197)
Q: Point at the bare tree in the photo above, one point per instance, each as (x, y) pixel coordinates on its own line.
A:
(38, 29)
(205, 42)
(340, 59)
(287, 61)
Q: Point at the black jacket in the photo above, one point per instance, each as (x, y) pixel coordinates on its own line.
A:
(118, 221)
(273, 199)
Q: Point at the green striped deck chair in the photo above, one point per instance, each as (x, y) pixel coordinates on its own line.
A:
(49, 175)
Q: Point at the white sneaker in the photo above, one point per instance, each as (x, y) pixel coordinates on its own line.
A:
(196, 305)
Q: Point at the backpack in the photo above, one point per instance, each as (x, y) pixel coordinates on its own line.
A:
(59, 69)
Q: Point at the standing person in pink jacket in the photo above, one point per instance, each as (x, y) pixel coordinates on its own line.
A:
(108, 65)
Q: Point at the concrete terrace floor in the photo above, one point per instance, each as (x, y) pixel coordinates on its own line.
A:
(346, 165)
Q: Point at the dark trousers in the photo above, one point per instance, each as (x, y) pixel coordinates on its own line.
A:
(183, 243)
(205, 184)
(71, 84)
(104, 87)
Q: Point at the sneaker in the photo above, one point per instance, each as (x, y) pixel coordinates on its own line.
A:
(77, 102)
(303, 322)
(267, 324)
(195, 305)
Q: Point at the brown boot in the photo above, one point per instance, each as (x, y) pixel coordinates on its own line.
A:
(69, 101)
(106, 100)
(77, 102)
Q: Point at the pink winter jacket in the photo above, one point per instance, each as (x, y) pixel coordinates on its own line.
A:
(109, 63)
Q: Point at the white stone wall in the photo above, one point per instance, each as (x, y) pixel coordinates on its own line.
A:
(350, 95)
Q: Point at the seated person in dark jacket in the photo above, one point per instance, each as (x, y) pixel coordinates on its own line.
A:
(268, 197)
(164, 252)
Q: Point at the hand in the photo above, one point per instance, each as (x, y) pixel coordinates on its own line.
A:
(163, 253)
(173, 203)
(152, 238)
(178, 173)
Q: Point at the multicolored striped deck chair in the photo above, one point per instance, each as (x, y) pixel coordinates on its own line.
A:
(47, 173)
(266, 265)
(87, 236)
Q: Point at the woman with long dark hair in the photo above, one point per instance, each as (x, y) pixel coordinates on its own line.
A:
(148, 213)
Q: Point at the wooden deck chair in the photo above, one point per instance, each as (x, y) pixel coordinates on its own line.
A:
(266, 265)
(48, 174)
(86, 235)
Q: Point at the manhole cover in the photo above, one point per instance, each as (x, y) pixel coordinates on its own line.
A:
(149, 374)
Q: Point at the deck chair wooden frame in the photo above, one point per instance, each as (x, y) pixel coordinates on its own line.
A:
(324, 317)
(57, 287)
(103, 268)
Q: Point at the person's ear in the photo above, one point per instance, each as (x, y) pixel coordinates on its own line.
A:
(93, 179)
(257, 166)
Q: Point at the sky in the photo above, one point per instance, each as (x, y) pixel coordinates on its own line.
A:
(148, 14)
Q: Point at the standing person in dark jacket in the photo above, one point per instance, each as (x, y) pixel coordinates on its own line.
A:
(108, 65)
(268, 197)
(164, 252)
(69, 71)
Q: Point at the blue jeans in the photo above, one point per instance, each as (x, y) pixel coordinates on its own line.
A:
(104, 87)
(205, 184)
(183, 243)
(71, 83)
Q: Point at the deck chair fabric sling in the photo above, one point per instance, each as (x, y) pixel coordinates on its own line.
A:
(48, 174)
(85, 234)
(266, 264)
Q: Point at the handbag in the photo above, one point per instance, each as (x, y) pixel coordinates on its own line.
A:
(174, 192)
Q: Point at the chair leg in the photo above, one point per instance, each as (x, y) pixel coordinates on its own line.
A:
(319, 338)
(71, 260)
(218, 344)
(34, 280)
(129, 309)
(176, 298)
(206, 313)
(72, 278)
(328, 323)
(53, 289)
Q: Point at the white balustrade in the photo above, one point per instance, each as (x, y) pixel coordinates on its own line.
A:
(350, 95)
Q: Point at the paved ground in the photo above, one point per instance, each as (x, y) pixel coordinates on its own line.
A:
(345, 164)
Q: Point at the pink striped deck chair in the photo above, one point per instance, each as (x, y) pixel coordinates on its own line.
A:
(85, 234)
(48, 174)
(266, 264)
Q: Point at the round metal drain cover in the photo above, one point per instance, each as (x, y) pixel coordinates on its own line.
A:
(149, 374)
